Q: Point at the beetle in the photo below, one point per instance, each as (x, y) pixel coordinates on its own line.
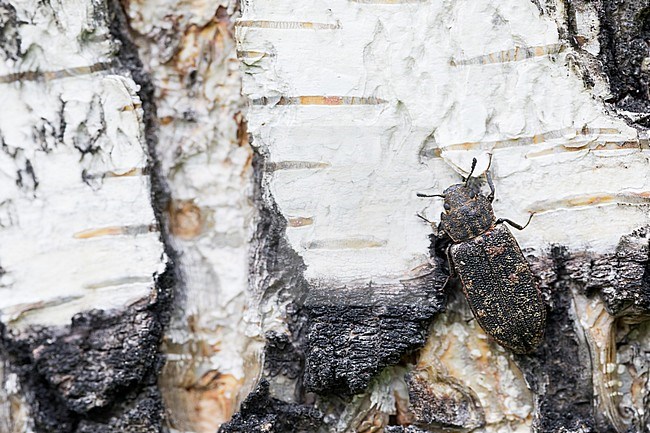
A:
(496, 279)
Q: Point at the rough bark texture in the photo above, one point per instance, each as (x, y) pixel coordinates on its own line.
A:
(624, 34)
(316, 302)
(261, 412)
(99, 372)
(334, 148)
(98, 375)
(354, 334)
(188, 49)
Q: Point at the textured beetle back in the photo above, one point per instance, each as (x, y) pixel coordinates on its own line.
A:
(501, 289)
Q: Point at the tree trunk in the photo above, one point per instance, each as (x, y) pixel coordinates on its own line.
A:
(208, 217)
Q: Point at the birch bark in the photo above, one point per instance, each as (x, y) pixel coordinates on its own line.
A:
(161, 274)
(355, 107)
(86, 280)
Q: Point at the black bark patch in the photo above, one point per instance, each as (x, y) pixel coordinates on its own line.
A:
(623, 60)
(137, 412)
(98, 358)
(623, 278)
(354, 333)
(99, 370)
(624, 38)
(559, 372)
(281, 356)
(261, 412)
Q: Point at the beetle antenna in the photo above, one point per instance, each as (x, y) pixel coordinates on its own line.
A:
(469, 176)
(419, 194)
(488, 177)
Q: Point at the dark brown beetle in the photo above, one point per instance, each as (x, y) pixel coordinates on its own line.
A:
(496, 279)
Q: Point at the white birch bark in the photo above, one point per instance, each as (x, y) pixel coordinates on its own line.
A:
(77, 229)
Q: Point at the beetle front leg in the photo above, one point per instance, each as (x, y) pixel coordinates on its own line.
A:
(514, 224)
(452, 269)
(424, 218)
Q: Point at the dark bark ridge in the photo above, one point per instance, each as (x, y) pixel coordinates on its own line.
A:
(559, 372)
(624, 57)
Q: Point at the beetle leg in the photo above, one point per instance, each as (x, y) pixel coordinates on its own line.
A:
(424, 218)
(514, 224)
(452, 269)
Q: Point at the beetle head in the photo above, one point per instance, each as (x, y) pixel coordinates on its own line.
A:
(467, 212)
